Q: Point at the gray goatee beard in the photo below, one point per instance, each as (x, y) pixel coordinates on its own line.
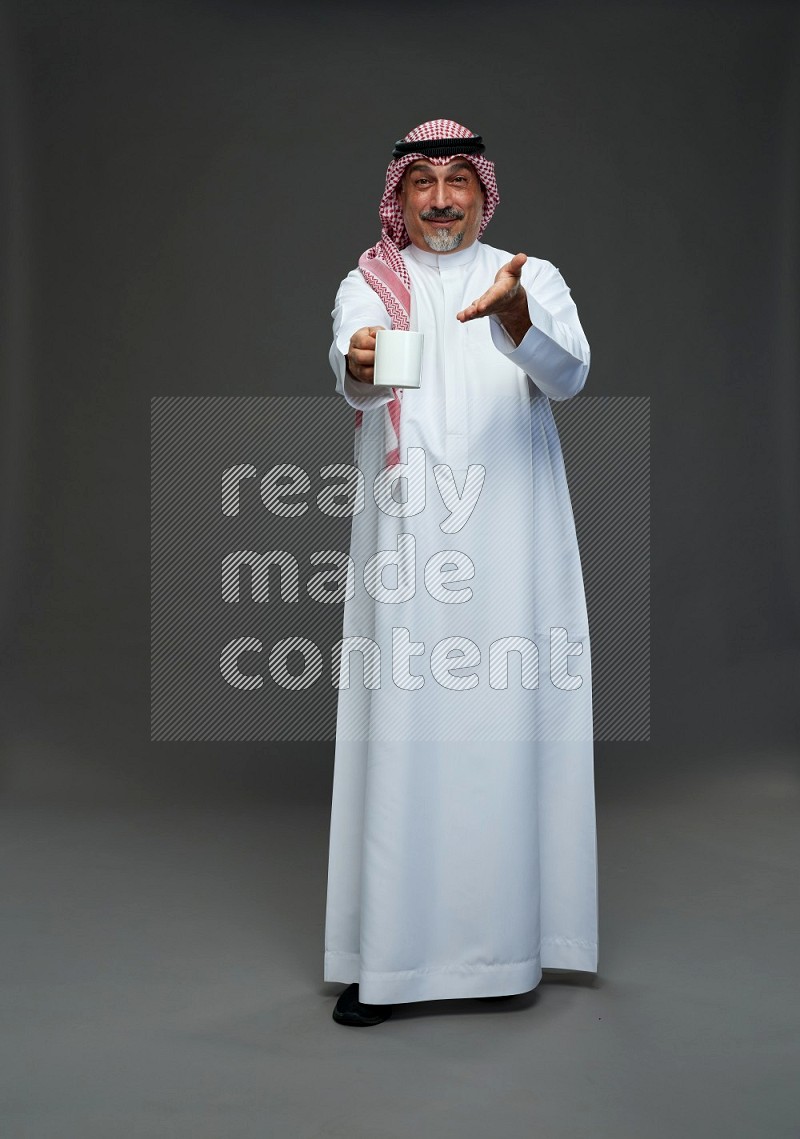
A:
(443, 241)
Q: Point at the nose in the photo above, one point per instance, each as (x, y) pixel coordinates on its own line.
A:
(441, 196)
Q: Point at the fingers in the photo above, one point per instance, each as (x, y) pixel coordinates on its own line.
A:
(484, 305)
(361, 363)
(512, 268)
(361, 353)
(365, 337)
(471, 311)
(360, 371)
(365, 374)
(500, 296)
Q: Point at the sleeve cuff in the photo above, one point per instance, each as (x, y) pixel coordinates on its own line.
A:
(557, 370)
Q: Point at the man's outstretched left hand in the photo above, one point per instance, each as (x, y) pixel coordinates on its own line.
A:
(506, 299)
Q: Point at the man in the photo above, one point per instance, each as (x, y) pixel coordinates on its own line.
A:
(463, 853)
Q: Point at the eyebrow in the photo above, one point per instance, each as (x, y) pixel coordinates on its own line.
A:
(423, 167)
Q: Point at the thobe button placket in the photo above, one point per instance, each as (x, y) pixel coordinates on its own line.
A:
(455, 394)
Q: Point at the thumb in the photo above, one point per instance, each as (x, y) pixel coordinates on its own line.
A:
(515, 264)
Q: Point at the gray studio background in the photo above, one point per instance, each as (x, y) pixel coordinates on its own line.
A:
(183, 187)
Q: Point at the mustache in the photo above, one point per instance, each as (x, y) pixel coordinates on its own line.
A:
(449, 213)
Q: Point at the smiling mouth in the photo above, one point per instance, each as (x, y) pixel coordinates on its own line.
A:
(444, 220)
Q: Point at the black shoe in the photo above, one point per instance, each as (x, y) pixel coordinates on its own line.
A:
(350, 1010)
(507, 997)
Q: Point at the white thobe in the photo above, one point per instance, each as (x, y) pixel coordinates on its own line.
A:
(463, 854)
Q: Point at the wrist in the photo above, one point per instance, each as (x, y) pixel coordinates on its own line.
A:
(516, 320)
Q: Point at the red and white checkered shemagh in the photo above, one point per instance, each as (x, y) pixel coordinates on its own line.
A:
(384, 269)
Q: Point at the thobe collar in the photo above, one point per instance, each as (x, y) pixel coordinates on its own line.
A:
(459, 259)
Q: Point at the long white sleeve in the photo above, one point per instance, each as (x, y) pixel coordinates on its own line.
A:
(554, 353)
(356, 306)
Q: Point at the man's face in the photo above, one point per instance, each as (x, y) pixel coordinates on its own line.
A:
(442, 205)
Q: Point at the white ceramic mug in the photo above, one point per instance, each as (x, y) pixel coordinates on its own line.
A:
(398, 358)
